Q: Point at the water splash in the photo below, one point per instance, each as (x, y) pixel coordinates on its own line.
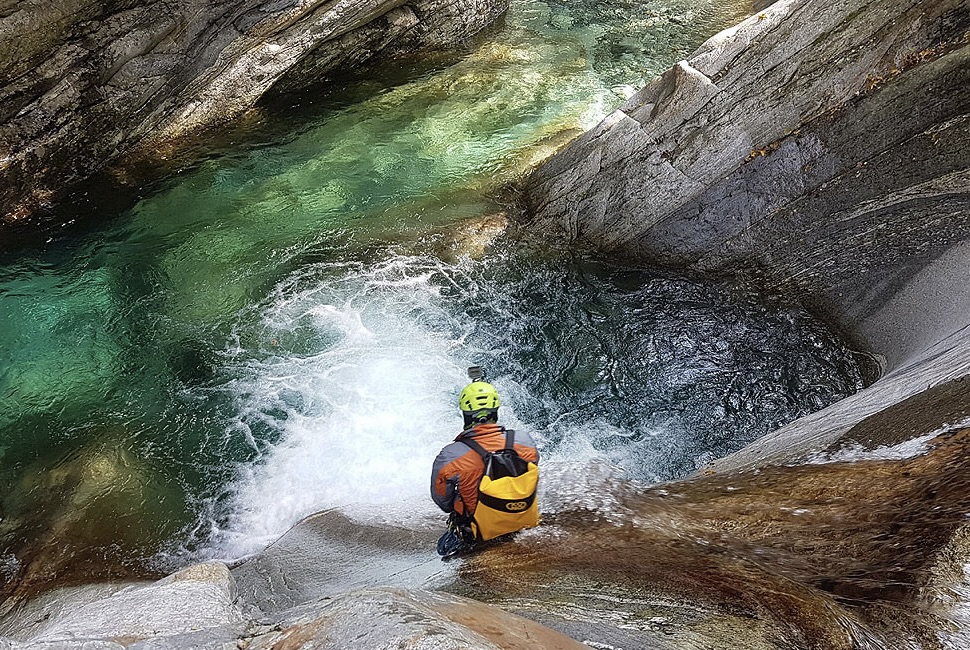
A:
(344, 380)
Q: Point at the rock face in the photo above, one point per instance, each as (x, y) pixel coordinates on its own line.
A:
(84, 82)
(198, 598)
(197, 608)
(822, 148)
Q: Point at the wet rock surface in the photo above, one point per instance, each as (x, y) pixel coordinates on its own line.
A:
(327, 554)
(833, 555)
(931, 393)
(84, 83)
(864, 554)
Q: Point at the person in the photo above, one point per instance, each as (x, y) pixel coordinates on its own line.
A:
(457, 472)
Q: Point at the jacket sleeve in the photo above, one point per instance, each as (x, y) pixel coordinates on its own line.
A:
(443, 487)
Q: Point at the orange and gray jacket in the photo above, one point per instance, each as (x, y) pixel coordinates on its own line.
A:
(458, 469)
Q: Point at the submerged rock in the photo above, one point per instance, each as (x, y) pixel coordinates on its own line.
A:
(823, 150)
(824, 555)
(95, 506)
(84, 83)
(932, 394)
(472, 237)
(865, 554)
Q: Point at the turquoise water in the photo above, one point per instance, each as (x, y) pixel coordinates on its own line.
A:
(271, 330)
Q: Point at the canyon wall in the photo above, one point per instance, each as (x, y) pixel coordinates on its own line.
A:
(821, 151)
(86, 82)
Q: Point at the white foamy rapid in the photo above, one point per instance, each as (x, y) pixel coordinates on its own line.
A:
(361, 407)
(347, 387)
(345, 382)
(352, 373)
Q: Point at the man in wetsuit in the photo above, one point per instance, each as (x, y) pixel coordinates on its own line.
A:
(458, 469)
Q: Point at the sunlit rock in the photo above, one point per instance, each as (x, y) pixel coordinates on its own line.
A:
(827, 158)
(392, 618)
(826, 555)
(194, 608)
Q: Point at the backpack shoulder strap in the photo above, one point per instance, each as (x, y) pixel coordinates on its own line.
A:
(474, 445)
(509, 442)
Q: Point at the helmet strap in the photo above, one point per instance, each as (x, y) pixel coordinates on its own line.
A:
(490, 417)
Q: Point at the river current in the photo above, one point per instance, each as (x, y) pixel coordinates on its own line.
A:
(283, 325)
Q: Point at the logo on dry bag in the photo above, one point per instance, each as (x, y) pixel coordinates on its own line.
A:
(516, 506)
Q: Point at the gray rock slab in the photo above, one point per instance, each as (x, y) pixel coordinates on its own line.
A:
(742, 90)
(63, 645)
(327, 554)
(822, 150)
(421, 620)
(198, 597)
(20, 620)
(212, 638)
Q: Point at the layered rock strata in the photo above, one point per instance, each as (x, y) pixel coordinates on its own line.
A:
(822, 150)
(822, 147)
(84, 82)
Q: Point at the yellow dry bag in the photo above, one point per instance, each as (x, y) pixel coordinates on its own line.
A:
(506, 493)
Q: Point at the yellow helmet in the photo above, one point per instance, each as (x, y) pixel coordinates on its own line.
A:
(478, 396)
